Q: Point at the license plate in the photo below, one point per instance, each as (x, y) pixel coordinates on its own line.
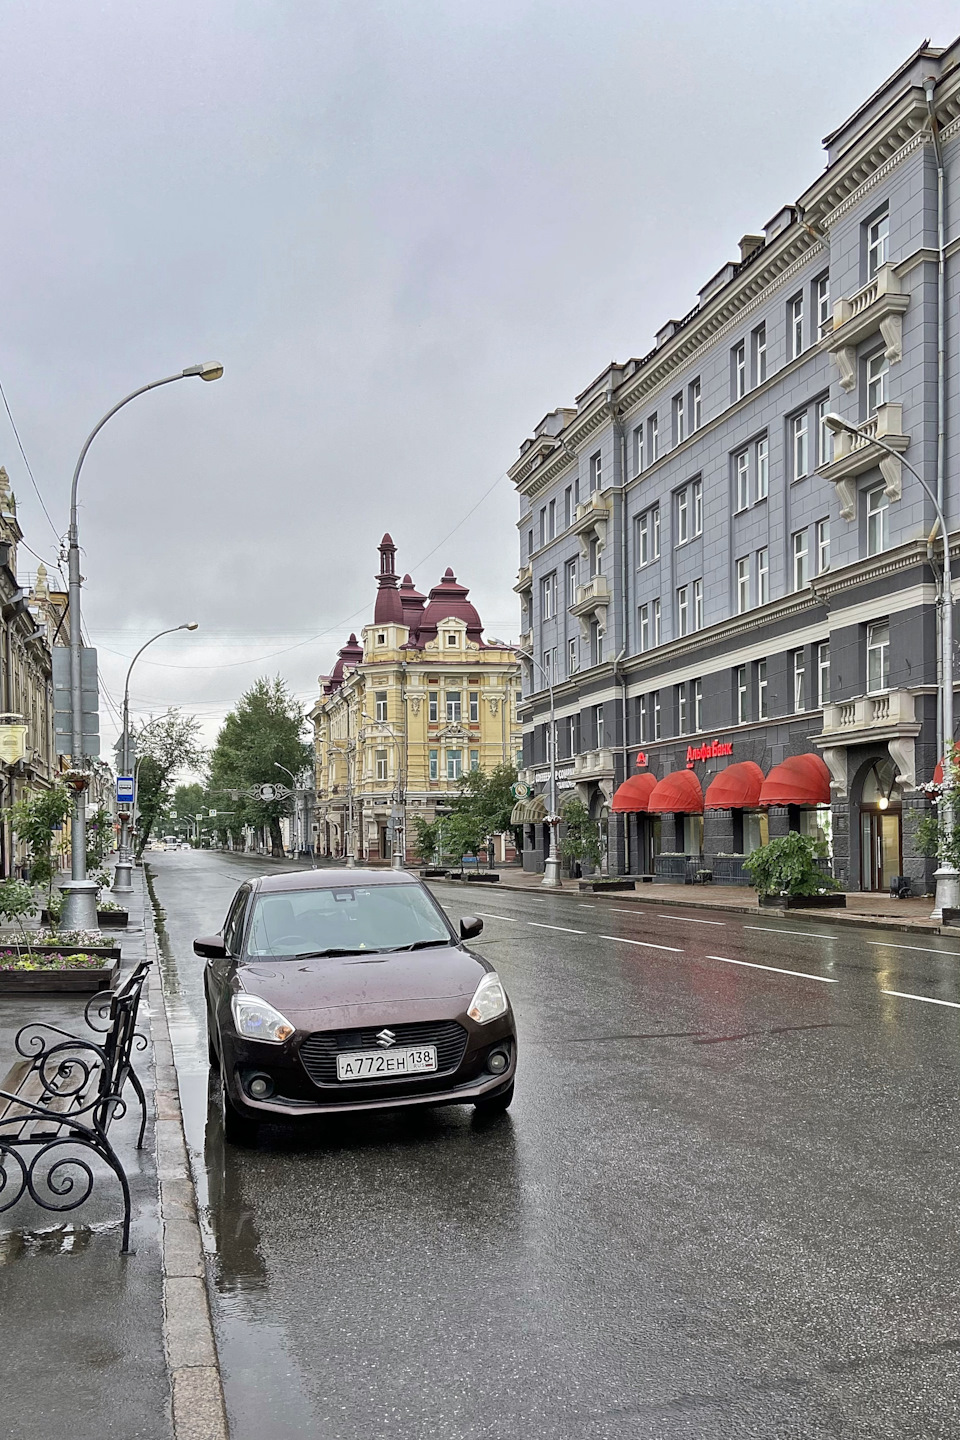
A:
(381, 1064)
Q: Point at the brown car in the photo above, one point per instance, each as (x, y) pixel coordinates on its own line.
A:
(339, 990)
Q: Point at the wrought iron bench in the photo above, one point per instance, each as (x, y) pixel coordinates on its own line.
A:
(61, 1098)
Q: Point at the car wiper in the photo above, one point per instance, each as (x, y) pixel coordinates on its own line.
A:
(335, 950)
(419, 945)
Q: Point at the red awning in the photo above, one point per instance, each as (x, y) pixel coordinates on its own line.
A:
(736, 788)
(632, 796)
(677, 794)
(938, 773)
(799, 780)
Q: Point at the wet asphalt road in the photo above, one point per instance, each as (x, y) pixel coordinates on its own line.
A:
(723, 1203)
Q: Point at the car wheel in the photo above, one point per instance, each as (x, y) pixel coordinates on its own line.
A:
(239, 1128)
(495, 1104)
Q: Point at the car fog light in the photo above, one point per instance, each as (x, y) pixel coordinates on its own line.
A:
(260, 1087)
(497, 1062)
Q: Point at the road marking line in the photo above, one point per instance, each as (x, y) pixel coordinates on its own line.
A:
(922, 949)
(797, 974)
(486, 915)
(927, 999)
(777, 930)
(582, 906)
(647, 945)
(538, 924)
(688, 920)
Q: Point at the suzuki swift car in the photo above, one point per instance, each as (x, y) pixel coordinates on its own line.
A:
(331, 991)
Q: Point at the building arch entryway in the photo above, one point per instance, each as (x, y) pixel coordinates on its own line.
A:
(881, 825)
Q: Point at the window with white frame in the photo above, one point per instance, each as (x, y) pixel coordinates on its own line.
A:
(381, 764)
(823, 546)
(648, 536)
(570, 583)
(683, 610)
(434, 764)
(743, 584)
(552, 519)
(800, 447)
(824, 434)
(877, 368)
(596, 642)
(698, 604)
(568, 507)
(548, 596)
(380, 705)
(878, 515)
(878, 243)
(799, 680)
(596, 471)
(763, 575)
(474, 759)
(655, 622)
(573, 734)
(573, 656)
(433, 709)
(643, 719)
(454, 764)
(657, 728)
(653, 436)
(801, 559)
(763, 467)
(638, 449)
(474, 707)
(823, 672)
(683, 517)
(761, 689)
(696, 495)
(738, 363)
(878, 656)
(740, 689)
(453, 707)
(698, 705)
(598, 725)
(643, 626)
(530, 545)
(681, 709)
(696, 411)
(543, 526)
(547, 667)
(595, 550)
(679, 428)
(795, 326)
(760, 355)
(821, 302)
(742, 468)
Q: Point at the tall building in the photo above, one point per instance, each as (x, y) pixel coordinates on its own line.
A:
(737, 607)
(406, 712)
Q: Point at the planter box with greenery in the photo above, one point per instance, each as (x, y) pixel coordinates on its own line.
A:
(600, 883)
(787, 874)
(39, 971)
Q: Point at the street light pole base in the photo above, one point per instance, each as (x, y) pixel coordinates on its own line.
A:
(551, 874)
(122, 877)
(79, 905)
(397, 862)
(948, 891)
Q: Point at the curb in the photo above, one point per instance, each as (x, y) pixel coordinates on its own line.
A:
(196, 1388)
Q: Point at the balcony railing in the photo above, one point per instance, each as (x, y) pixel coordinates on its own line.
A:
(869, 712)
(524, 579)
(595, 595)
(593, 765)
(877, 306)
(854, 454)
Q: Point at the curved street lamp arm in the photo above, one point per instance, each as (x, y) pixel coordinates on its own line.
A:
(142, 390)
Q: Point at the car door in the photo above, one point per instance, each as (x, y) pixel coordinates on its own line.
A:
(218, 971)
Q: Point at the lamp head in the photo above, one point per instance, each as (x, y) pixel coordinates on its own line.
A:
(209, 370)
(837, 426)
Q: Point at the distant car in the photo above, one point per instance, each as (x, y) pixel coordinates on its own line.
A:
(341, 990)
(184, 845)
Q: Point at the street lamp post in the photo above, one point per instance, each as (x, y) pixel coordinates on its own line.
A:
(348, 756)
(551, 868)
(296, 813)
(80, 894)
(948, 880)
(399, 851)
(122, 884)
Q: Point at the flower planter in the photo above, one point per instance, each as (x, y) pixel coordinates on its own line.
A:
(486, 877)
(598, 886)
(38, 982)
(109, 952)
(831, 901)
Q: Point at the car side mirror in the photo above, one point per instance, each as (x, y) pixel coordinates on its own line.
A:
(470, 926)
(211, 947)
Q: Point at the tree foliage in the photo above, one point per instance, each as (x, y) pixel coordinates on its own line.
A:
(582, 841)
(264, 731)
(789, 866)
(425, 838)
(165, 746)
(935, 838)
(487, 798)
(36, 819)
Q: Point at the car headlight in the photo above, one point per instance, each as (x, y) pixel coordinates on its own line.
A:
(490, 999)
(256, 1020)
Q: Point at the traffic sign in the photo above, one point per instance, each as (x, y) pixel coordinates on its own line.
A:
(124, 789)
(211, 812)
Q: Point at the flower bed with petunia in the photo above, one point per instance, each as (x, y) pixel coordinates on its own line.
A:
(48, 960)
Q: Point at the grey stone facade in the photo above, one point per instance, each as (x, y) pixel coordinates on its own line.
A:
(701, 557)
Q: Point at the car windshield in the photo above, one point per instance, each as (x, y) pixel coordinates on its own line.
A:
(350, 919)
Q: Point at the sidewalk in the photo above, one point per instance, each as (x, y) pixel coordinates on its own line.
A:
(92, 1340)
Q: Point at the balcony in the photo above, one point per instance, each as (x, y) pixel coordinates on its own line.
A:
(593, 765)
(593, 514)
(855, 454)
(526, 641)
(593, 596)
(879, 305)
(889, 716)
(524, 579)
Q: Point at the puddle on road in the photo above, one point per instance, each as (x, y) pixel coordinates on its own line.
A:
(57, 1240)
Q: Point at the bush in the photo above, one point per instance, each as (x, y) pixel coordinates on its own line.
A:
(788, 866)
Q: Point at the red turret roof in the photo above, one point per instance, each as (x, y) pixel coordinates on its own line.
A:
(351, 654)
(448, 600)
(388, 609)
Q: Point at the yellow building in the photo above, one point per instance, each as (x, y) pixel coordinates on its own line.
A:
(406, 713)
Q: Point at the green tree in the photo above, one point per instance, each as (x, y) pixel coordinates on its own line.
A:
(582, 841)
(37, 819)
(463, 834)
(263, 731)
(166, 746)
(426, 837)
(789, 866)
(488, 798)
(99, 838)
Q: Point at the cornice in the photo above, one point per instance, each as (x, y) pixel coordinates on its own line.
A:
(879, 567)
(853, 198)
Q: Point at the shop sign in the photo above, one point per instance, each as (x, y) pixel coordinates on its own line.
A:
(564, 772)
(521, 791)
(713, 750)
(642, 761)
(13, 743)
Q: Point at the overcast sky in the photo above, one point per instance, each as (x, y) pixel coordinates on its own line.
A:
(407, 229)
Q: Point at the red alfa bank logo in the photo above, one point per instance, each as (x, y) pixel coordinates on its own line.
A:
(711, 751)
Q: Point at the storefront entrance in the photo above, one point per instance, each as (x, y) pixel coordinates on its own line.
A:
(881, 837)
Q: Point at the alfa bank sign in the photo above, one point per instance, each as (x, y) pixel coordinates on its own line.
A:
(713, 750)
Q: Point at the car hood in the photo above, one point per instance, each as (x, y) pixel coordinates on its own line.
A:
(348, 980)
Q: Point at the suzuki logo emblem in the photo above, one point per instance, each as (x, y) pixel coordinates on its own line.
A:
(386, 1038)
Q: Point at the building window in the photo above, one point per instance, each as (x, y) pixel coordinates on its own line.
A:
(683, 527)
(759, 354)
(453, 707)
(655, 617)
(596, 556)
(821, 303)
(761, 689)
(381, 764)
(743, 585)
(823, 546)
(696, 411)
(552, 519)
(543, 526)
(878, 243)
(878, 656)
(548, 596)
(381, 637)
(795, 326)
(740, 686)
(454, 764)
(596, 471)
(648, 536)
(824, 434)
(683, 610)
(681, 709)
(698, 705)
(529, 543)
(598, 725)
(877, 369)
(573, 658)
(573, 734)
(742, 462)
(548, 667)
(653, 435)
(878, 527)
(698, 604)
(763, 467)
(801, 456)
(596, 643)
(570, 582)
(474, 759)
(474, 707)
(642, 719)
(433, 708)
(823, 672)
(568, 507)
(801, 566)
(738, 365)
(657, 728)
(643, 627)
(638, 449)
(451, 637)
(799, 681)
(697, 489)
(380, 704)
(679, 430)
(434, 764)
(763, 576)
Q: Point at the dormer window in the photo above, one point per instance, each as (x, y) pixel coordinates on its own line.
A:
(381, 637)
(451, 637)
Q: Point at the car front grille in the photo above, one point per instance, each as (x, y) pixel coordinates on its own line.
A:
(319, 1051)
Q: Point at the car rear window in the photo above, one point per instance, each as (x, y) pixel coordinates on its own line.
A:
(352, 917)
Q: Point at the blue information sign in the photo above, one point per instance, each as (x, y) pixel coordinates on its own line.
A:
(124, 789)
